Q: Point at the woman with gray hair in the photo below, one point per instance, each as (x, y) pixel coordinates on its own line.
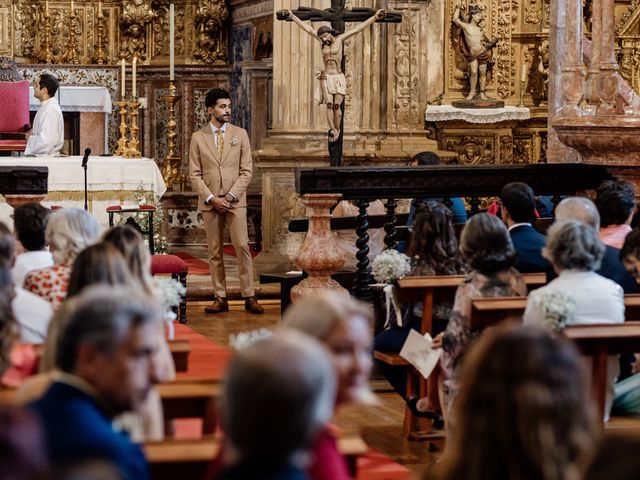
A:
(578, 296)
(68, 232)
(575, 251)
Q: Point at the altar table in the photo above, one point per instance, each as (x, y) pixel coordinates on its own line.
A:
(110, 181)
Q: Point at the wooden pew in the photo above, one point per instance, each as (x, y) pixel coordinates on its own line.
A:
(487, 312)
(190, 399)
(600, 341)
(171, 459)
(430, 290)
(180, 350)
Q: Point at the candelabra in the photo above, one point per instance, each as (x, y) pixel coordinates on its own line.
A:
(46, 55)
(122, 141)
(132, 145)
(172, 162)
(100, 56)
(71, 55)
(523, 85)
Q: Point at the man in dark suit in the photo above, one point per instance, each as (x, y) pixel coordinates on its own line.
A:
(105, 355)
(518, 212)
(220, 168)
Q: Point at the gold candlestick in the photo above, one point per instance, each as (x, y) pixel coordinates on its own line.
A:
(132, 145)
(523, 85)
(172, 162)
(71, 55)
(46, 55)
(100, 56)
(122, 141)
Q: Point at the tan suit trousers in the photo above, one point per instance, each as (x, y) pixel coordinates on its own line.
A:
(214, 223)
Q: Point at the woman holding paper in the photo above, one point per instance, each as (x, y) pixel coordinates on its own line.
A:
(486, 245)
(433, 250)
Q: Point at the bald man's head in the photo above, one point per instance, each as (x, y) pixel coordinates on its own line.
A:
(578, 208)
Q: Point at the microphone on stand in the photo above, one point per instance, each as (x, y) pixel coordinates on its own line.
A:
(85, 160)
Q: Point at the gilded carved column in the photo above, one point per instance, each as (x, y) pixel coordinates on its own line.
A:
(136, 17)
(211, 37)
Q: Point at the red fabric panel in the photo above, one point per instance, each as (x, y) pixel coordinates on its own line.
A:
(14, 104)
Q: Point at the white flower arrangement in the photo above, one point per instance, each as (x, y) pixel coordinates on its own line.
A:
(556, 308)
(168, 291)
(390, 265)
(244, 339)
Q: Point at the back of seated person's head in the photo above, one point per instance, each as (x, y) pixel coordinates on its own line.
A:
(433, 239)
(7, 245)
(30, 222)
(426, 158)
(519, 201)
(101, 263)
(616, 458)
(578, 208)
(107, 336)
(616, 202)
(630, 254)
(486, 245)
(523, 411)
(573, 245)
(130, 243)
(23, 453)
(278, 393)
(68, 232)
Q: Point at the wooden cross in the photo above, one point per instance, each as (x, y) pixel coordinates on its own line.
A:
(338, 16)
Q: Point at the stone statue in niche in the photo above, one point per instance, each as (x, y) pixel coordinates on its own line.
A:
(540, 93)
(477, 50)
(333, 84)
(210, 18)
(136, 15)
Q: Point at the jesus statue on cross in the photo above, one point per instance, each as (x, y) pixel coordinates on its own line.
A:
(333, 85)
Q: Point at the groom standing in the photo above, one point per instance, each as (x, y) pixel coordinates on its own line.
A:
(220, 168)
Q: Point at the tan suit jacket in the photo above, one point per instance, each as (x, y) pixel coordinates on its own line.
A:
(212, 175)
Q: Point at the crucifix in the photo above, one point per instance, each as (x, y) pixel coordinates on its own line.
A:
(333, 85)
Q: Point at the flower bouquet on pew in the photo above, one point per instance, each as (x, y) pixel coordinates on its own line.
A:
(388, 267)
(557, 309)
(168, 292)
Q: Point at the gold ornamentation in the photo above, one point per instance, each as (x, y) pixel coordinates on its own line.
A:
(46, 55)
(133, 143)
(405, 74)
(471, 149)
(136, 17)
(71, 54)
(211, 39)
(532, 12)
(503, 49)
(122, 141)
(171, 171)
(100, 56)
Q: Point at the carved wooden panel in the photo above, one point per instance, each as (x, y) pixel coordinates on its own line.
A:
(5, 31)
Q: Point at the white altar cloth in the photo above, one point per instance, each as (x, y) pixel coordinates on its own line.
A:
(78, 99)
(110, 181)
(443, 113)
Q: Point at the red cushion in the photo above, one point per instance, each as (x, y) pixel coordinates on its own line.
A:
(167, 264)
(14, 105)
(12, 145)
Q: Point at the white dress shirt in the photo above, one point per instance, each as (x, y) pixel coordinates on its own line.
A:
(33, 314)
(28, 261)
(48, 130)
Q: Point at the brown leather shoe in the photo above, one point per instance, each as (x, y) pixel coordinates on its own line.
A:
(251, 305)
(219, 305)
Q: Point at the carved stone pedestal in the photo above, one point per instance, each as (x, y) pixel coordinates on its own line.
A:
(319, 256)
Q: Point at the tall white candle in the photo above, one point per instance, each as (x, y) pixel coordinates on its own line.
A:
(523, 72)
(71, 5)
(122, 74)
(46, 6)
(172, 59)
(134, 92)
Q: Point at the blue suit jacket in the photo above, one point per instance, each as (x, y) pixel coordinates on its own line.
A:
(76, 430)
(528, 242)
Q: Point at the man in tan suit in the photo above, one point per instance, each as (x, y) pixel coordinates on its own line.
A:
(220, 168)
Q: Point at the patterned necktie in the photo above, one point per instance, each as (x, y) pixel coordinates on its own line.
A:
(220, 142)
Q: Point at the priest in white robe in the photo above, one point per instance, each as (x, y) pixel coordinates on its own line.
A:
(47, 135)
